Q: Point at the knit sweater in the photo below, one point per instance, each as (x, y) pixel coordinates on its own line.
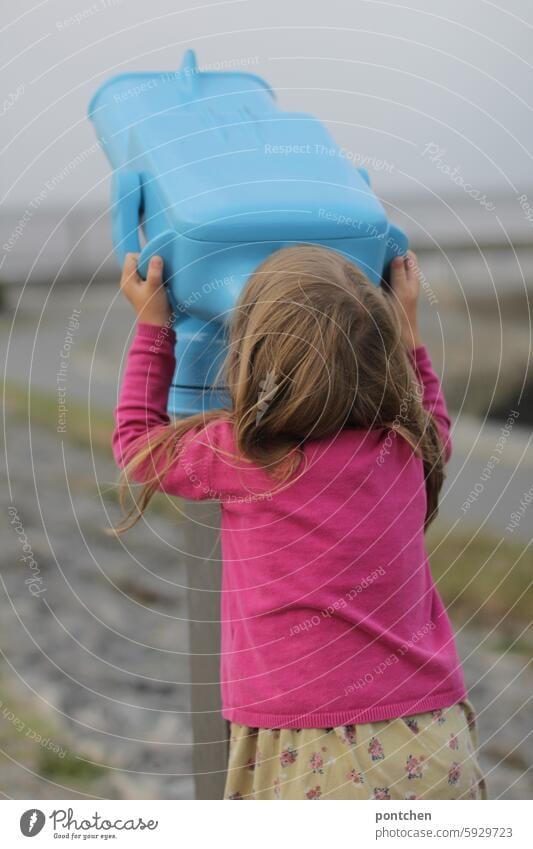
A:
(329, 613)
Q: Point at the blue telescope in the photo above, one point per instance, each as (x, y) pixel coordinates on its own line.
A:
(217, 177)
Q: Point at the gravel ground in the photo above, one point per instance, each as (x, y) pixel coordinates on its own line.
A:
(103, 648)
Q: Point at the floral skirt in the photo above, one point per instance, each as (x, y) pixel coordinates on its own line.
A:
(425, 756)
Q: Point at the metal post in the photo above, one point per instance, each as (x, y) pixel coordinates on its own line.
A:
(204, 574)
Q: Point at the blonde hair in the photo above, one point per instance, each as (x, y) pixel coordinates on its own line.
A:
(313, 347)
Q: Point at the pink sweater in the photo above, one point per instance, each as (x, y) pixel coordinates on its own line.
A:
(329, 612)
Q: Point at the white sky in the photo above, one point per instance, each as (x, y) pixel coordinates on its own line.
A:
(388, 78)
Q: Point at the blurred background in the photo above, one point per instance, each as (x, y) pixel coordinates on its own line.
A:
(435, 101)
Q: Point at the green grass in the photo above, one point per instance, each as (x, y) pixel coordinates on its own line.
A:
(482, 579)
(85, 426)
(70, 770)
(20, 743)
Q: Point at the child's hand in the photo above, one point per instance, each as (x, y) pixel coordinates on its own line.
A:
(404, 292)
(147, 297)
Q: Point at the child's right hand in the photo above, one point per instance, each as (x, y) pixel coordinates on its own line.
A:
(404, 293)
(147, 297)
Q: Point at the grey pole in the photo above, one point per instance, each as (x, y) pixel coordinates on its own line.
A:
(204, 574)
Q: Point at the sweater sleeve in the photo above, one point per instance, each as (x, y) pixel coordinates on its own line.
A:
(142, 412)
(433, 397)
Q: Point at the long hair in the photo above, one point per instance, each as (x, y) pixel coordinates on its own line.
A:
(313, 347)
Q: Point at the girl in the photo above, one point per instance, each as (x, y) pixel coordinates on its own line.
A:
(339, 671)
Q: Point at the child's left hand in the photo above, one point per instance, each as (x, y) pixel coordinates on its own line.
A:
(147, 297)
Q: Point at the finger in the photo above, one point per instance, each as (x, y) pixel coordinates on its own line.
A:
(411, 263)
(398, 274)
(155, 272)
(129, 269)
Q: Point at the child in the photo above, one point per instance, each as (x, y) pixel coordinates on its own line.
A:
(339, 671)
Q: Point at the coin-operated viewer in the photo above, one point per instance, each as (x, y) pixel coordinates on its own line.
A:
(217, 177)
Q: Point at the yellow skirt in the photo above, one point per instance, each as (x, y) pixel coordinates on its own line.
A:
(425, 756)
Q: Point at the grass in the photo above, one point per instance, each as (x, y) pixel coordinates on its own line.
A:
(70, 769)
(484, 581)
(26, 739)
(85, 426)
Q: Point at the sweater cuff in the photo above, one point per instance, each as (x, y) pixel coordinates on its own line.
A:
(155, 333)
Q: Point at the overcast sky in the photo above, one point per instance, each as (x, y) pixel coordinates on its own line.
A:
(387, 78)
